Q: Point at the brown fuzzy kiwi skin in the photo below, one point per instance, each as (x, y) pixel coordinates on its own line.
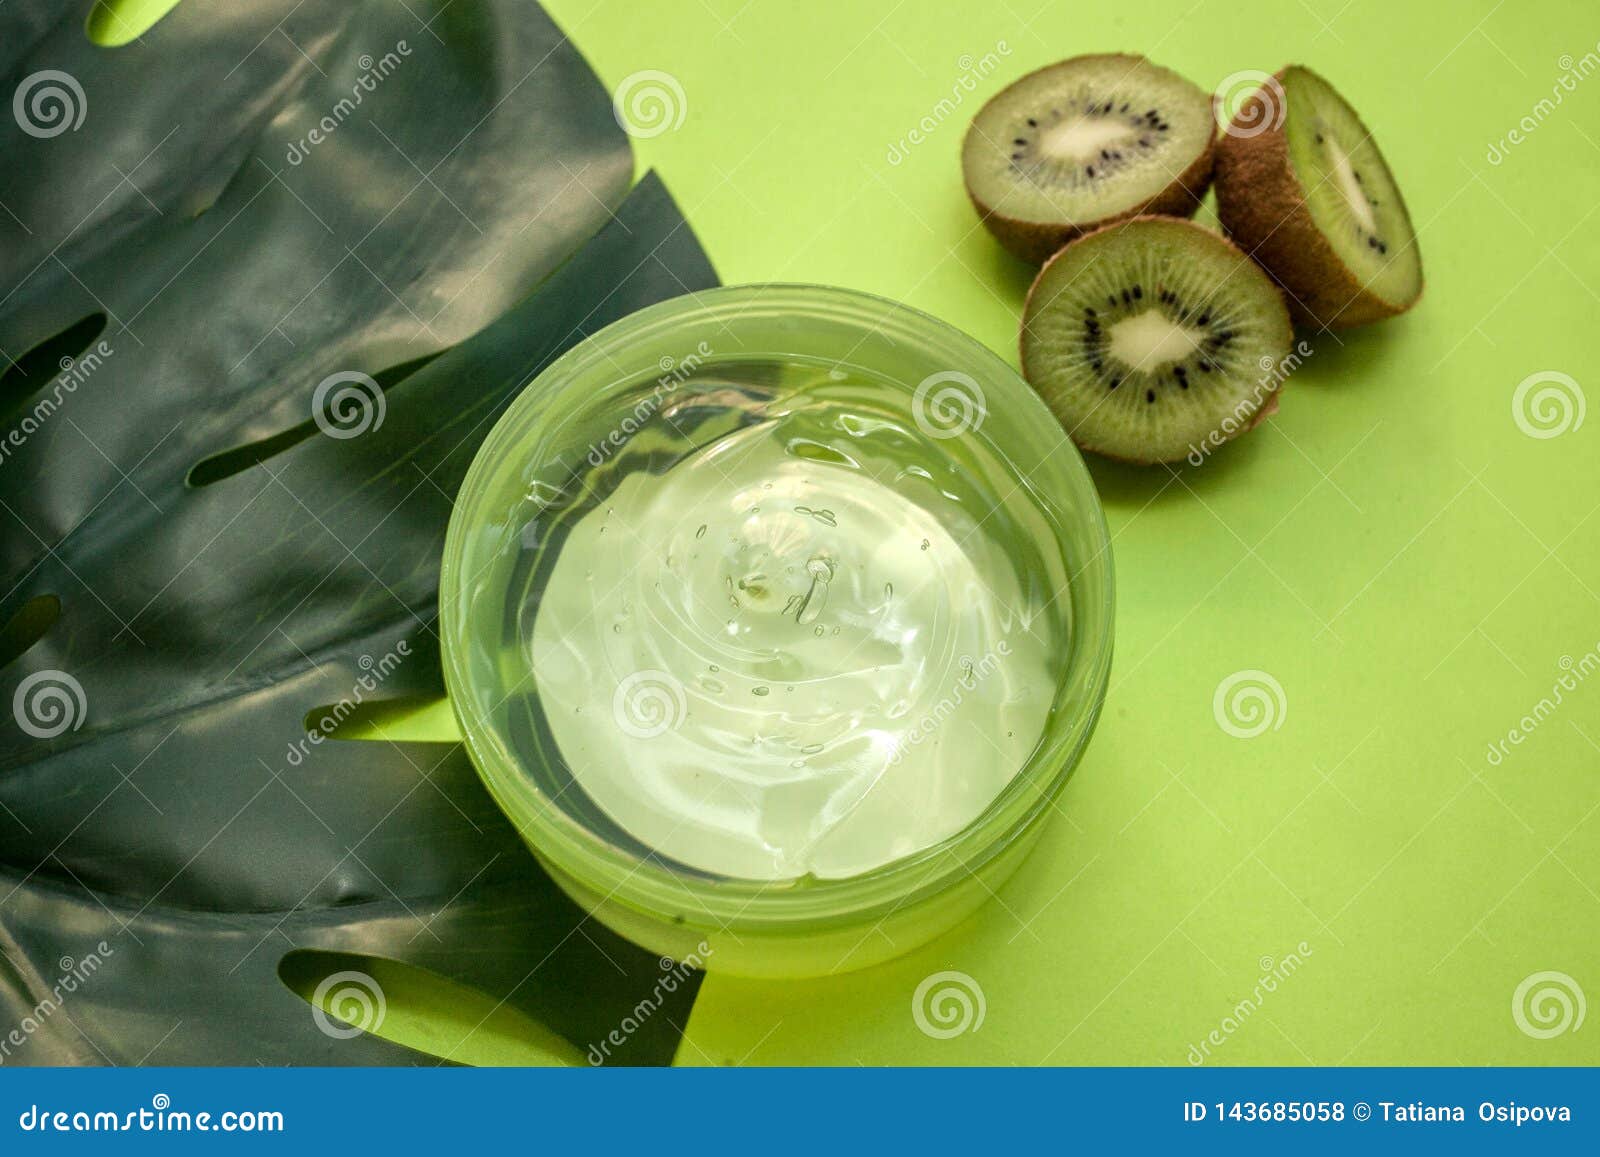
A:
(1262, 206)
(1269, 404)
(1035, 242)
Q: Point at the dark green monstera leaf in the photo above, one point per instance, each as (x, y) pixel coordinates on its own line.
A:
(262, 300)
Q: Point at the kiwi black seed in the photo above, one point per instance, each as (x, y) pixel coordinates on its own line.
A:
(1302, 187)
(1085, 142)
(1153, 339)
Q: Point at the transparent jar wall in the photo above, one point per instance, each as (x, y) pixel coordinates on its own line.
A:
(773, 953)
(532, 453)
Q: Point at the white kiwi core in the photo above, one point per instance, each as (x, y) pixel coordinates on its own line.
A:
(1150, 340)
(1082, 138)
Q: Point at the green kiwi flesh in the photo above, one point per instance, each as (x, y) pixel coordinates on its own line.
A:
(1154, 339)
(1084, 142)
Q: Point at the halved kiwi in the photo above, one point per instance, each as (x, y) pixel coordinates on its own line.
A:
(1085, 142)
(1155, 339)
(1302, 187)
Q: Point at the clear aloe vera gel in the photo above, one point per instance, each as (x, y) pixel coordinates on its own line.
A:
(759, 653)
(776, 618)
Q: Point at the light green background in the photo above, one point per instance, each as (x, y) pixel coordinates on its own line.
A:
(1406, 562)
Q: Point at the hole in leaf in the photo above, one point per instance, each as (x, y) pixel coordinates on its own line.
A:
(413, 718)
(28, 626)
(53, 357)
(113, 23)
(230, 462)
(411, 1006)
